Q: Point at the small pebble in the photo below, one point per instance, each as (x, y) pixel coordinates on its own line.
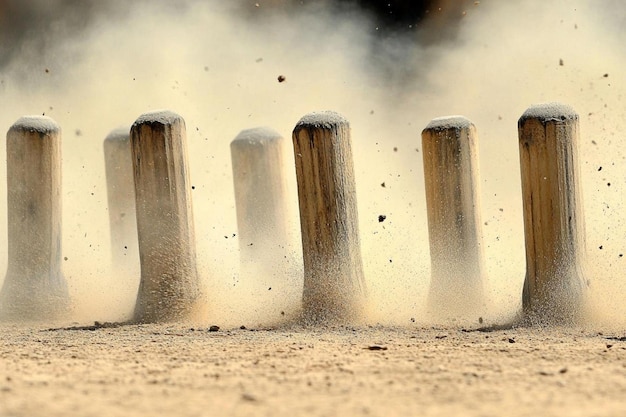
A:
(214, 328)
(248, 397)
(376, 347)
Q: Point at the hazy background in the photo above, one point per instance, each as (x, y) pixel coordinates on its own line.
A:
(95, 66)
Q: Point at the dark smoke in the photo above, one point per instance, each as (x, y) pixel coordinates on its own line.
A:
(33, 30)
(30, 28)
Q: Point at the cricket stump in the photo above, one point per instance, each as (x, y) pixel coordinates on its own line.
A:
(34, 287)
(121, 197)
(169, 287)
(555, 284)
(334, 286)
(258, 159)
(450, 155)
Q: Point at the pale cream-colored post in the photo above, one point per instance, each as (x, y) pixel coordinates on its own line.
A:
(258, 157)
(169, 288)
(34, 287)
(121, 197)
(334, 286)
(555, 285)
(450, 154)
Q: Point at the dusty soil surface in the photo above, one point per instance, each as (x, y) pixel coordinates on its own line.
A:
(183, 371)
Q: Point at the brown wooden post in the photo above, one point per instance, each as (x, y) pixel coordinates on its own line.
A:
(34, 287)
(555, 285)
(450, 154)
(258, 157)
(334, 286)
(121, 197)
(169, 288)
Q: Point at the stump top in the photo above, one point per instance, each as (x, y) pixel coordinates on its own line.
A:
(118, 135)
(256, 134)
(323, 119)
(449, 122)
(41, 124)
(163, 117)
(547, 112)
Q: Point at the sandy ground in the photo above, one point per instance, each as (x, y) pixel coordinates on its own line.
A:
(184, 371)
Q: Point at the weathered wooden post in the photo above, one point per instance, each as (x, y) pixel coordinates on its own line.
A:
(260, 195)
(334, 286)
(34, 287)
(169, 286)
(121, 196)
(450, 154)
(555, 285)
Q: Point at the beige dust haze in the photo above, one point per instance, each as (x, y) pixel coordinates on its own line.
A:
(216, 64)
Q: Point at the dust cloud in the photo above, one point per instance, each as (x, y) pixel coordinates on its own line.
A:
(217, 64)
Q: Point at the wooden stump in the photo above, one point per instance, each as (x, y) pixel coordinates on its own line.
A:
(450, 153)
(334, 285)
(121, 197)
(34, 287)
(555, 285)
(169, 286)
(260, 195)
